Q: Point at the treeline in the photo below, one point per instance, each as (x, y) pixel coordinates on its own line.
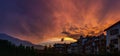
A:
(9, 49)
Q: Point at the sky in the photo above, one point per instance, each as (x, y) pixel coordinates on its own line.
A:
(40, 21)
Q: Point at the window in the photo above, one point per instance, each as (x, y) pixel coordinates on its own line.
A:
(119, 36)
(114, 41)
(114, 32)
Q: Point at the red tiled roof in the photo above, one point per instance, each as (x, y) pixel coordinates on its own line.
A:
(112, 25)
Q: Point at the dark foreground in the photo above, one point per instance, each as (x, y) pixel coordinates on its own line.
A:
(8, 49)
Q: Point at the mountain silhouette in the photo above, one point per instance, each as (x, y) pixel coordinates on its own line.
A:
(15, 41)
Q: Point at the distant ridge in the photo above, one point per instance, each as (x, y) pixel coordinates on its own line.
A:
(15, 41)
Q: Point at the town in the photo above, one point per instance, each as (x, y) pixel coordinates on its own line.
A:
(108, 44)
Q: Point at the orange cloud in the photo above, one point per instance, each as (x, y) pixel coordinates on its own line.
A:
(40, 20)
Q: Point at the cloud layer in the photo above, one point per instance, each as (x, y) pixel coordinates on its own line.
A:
(39, 20)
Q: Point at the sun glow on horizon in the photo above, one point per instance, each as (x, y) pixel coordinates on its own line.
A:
(69, 39)
(58, 40)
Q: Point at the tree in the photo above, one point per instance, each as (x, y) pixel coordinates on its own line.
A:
(7, 49)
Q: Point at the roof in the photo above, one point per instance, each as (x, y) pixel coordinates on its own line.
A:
(112, 25)
(74, 44)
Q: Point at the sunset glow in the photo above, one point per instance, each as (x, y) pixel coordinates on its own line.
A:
(69, 39)
(41, 21)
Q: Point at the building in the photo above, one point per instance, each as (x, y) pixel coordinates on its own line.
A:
(81, 44)
(99, 44)
(73, 48)
(113, 36)
(61, 48)
(84, 45)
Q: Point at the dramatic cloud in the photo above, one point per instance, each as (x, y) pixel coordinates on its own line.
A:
(40, 20)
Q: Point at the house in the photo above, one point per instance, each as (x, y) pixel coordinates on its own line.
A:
(73, 48)
(81, 44)
(94, 44)
(99, 43)
(61, 48)
(113, 36)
